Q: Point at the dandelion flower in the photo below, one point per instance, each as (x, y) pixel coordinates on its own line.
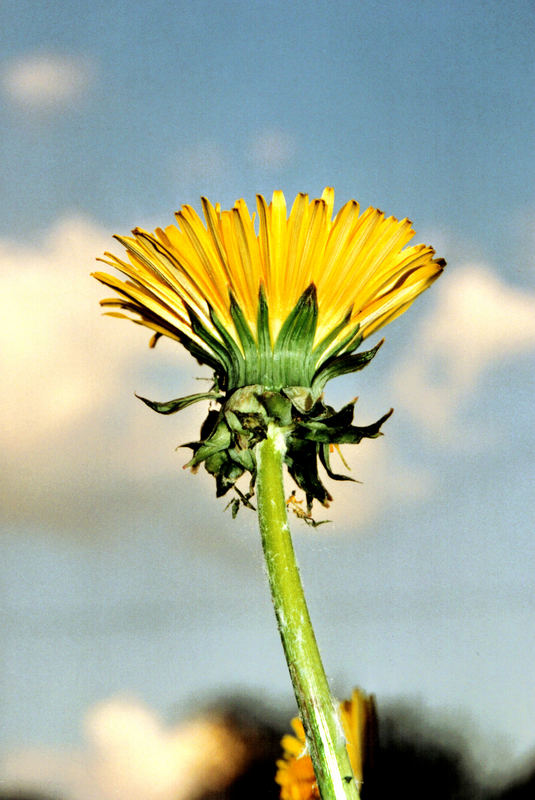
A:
(276, 304)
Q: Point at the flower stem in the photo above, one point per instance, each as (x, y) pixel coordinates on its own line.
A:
(323, 729)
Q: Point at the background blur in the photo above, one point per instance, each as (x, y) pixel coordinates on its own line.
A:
(129, 598)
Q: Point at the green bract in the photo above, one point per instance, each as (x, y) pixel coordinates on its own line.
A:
(260, 382)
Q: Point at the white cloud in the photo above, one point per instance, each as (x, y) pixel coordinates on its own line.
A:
(478, 322)
(70, 376)
(46, 81)
(46, 329)
(272, 149)
(51, 333)
(132, 755)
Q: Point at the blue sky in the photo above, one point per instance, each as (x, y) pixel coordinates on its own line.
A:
(121, 574)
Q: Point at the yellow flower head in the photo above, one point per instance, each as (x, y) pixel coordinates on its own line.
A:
(276, 304)
(295, 773)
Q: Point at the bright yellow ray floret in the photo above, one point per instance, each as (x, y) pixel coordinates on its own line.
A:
(356, 261)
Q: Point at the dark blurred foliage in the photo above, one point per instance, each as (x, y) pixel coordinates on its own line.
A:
(411, 756)
(25, 796)
(419, 760)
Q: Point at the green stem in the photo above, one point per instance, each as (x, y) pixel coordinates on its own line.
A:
(319, 714)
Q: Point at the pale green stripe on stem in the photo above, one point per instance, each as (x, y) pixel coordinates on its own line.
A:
(318, 712)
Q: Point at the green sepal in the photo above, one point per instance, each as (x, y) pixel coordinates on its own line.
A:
(301, 460)
(234, 422)
(225, 471)
(292, 353)
(236, 376)
(172, 406)
(337, 428)
(341, 365)
(220, 353)
(301, 398)
(333, 419)
(264, 348)
(245, 458)
(327, 426)
(219, 439)
(324, 456)
(355, 434)
(227, 476)
(243, 330)
(214, 462)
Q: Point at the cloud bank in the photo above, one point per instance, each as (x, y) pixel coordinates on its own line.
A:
(71, 376)
(46, 81)
(131, 755)
(477, 324)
